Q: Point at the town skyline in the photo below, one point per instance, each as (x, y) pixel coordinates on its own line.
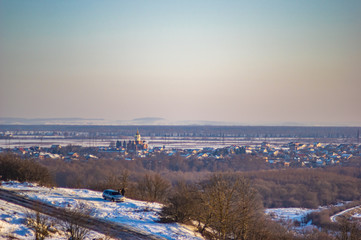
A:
(189, 62)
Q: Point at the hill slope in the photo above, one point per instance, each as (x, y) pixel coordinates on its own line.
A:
(138, 215)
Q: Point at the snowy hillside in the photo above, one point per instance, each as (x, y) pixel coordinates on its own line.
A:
(138, 215)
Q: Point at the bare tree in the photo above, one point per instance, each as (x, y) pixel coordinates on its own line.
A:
(182, 205)
(153, 188)
(123, 178)
(349, 230)
(230, 207)
(225, 207)
(72, 223)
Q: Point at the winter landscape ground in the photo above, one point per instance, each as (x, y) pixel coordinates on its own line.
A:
(139, 215)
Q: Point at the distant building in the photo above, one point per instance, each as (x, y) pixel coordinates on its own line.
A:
(137, 144)
(137, 137)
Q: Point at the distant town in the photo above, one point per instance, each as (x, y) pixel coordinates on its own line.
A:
(291, 154)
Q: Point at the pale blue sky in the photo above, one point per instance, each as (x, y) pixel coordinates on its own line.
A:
(253, 62)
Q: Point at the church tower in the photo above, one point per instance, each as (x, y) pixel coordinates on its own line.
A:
(137, 137)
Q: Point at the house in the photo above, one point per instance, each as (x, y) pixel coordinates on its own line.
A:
(90, 156)
(319, 162)
(202, 155)
(73, 154)
(50, 155)
(55, 147)
(346, 156)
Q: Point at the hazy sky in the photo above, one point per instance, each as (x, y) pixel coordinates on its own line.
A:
(253, 62)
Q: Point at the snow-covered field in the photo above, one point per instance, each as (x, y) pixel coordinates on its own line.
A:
(290, 214)
(293, 218)
(138, 215)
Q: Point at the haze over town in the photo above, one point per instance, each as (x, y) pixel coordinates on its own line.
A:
(243, 62)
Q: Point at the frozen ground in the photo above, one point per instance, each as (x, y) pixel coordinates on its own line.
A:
(295, 218)
(286, 214)
(135, 214)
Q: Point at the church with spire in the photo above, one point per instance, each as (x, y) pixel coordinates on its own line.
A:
(136, 144)
(137, 137)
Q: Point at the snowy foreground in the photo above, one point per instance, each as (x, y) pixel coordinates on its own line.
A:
(135, 214)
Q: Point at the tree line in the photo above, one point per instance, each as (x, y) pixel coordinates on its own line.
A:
(278, 188)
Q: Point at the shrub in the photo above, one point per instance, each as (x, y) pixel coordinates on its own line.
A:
(39, 224)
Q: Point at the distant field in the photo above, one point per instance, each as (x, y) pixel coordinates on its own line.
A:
(172, 136)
